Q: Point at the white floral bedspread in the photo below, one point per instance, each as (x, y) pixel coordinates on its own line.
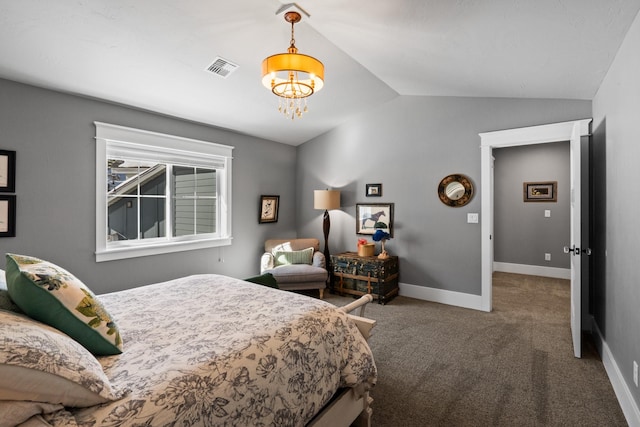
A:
(210, 350)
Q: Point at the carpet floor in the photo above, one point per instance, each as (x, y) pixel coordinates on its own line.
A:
(440, 365)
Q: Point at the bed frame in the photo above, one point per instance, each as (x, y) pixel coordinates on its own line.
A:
(350, 406)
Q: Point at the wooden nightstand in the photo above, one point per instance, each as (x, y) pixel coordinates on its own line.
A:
(358, 275)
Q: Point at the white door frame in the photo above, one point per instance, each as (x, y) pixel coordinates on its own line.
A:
(542, 134)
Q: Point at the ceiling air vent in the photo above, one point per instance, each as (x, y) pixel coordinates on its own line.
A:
(222, 67)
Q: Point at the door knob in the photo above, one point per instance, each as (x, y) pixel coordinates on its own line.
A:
(587, 251)
(574, 250)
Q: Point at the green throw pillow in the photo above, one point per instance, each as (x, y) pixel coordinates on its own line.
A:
(304, 256)
(52, 295)
(265, 279)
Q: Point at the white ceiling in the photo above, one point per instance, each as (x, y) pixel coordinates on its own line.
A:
(152, 54)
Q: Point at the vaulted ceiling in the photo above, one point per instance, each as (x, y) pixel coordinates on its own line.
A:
(153, 54)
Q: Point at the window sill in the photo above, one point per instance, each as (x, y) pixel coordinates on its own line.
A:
(160, 248)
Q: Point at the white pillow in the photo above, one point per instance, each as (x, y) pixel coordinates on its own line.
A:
(40, 363)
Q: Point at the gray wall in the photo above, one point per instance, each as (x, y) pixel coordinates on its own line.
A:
(522, 234)
(54, 137)
(409, 145)
(616, 150)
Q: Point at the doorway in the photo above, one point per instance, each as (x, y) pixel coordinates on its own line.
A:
(532, 209)
(566, 131)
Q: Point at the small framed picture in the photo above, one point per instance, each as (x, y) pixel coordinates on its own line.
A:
(7, 171)
(373, 190)
(269, 209)
(371, 217)
(540, 191)
(7, 216)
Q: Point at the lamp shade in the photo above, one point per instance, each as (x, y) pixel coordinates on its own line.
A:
(326, 199)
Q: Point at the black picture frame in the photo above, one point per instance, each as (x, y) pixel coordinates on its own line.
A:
(546, 191)
(7, 215)
(373, 190)
(269, 206)
(371, 217)
(7, 171)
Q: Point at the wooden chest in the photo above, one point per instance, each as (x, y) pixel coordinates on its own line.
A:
(359, 275)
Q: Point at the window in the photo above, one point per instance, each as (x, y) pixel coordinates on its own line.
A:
(158, 193)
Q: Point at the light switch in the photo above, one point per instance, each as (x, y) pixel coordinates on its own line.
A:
(472, 218)
(547, 213)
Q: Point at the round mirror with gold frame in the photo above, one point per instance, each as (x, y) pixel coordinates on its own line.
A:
(455, 190)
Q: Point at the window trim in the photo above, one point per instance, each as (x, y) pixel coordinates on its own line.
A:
(109, 136)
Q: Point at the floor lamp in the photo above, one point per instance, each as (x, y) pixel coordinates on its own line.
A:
(327, 200)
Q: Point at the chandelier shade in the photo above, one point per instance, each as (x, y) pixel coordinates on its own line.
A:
(292, 76)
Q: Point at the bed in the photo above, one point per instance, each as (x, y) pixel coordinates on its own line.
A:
(209, 350)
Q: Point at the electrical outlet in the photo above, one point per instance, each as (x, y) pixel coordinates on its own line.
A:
(547, 257)
(635, 373)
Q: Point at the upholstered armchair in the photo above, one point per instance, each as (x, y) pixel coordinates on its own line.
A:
(296, 264)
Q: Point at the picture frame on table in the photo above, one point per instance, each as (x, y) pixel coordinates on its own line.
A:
(371, 217)
(373, 190)
(7, 171)
(7, 215)
(269, 206)
(540, 191)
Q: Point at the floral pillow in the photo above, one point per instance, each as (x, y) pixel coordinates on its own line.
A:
(15, 412)
(41, 364)
(54, 296)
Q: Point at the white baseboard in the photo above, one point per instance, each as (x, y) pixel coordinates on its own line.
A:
(620, 387)
(533, 270)
(442, 296)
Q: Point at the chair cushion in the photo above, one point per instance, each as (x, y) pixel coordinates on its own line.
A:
(298, 273)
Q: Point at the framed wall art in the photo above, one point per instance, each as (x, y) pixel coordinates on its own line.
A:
(7, 216)
(540, 191)
(373, 190)
(269, 209)
(374, 216)
(7, 171)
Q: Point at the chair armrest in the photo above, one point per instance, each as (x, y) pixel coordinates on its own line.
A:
(318, 260)
(266, 262)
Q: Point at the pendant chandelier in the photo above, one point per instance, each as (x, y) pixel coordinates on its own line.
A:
(292, 76)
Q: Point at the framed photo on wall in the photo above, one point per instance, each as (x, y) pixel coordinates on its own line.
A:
(7, 216)
(540, 191)
(7, 171)
(269, 209)
(374, 216)
(373, 190)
